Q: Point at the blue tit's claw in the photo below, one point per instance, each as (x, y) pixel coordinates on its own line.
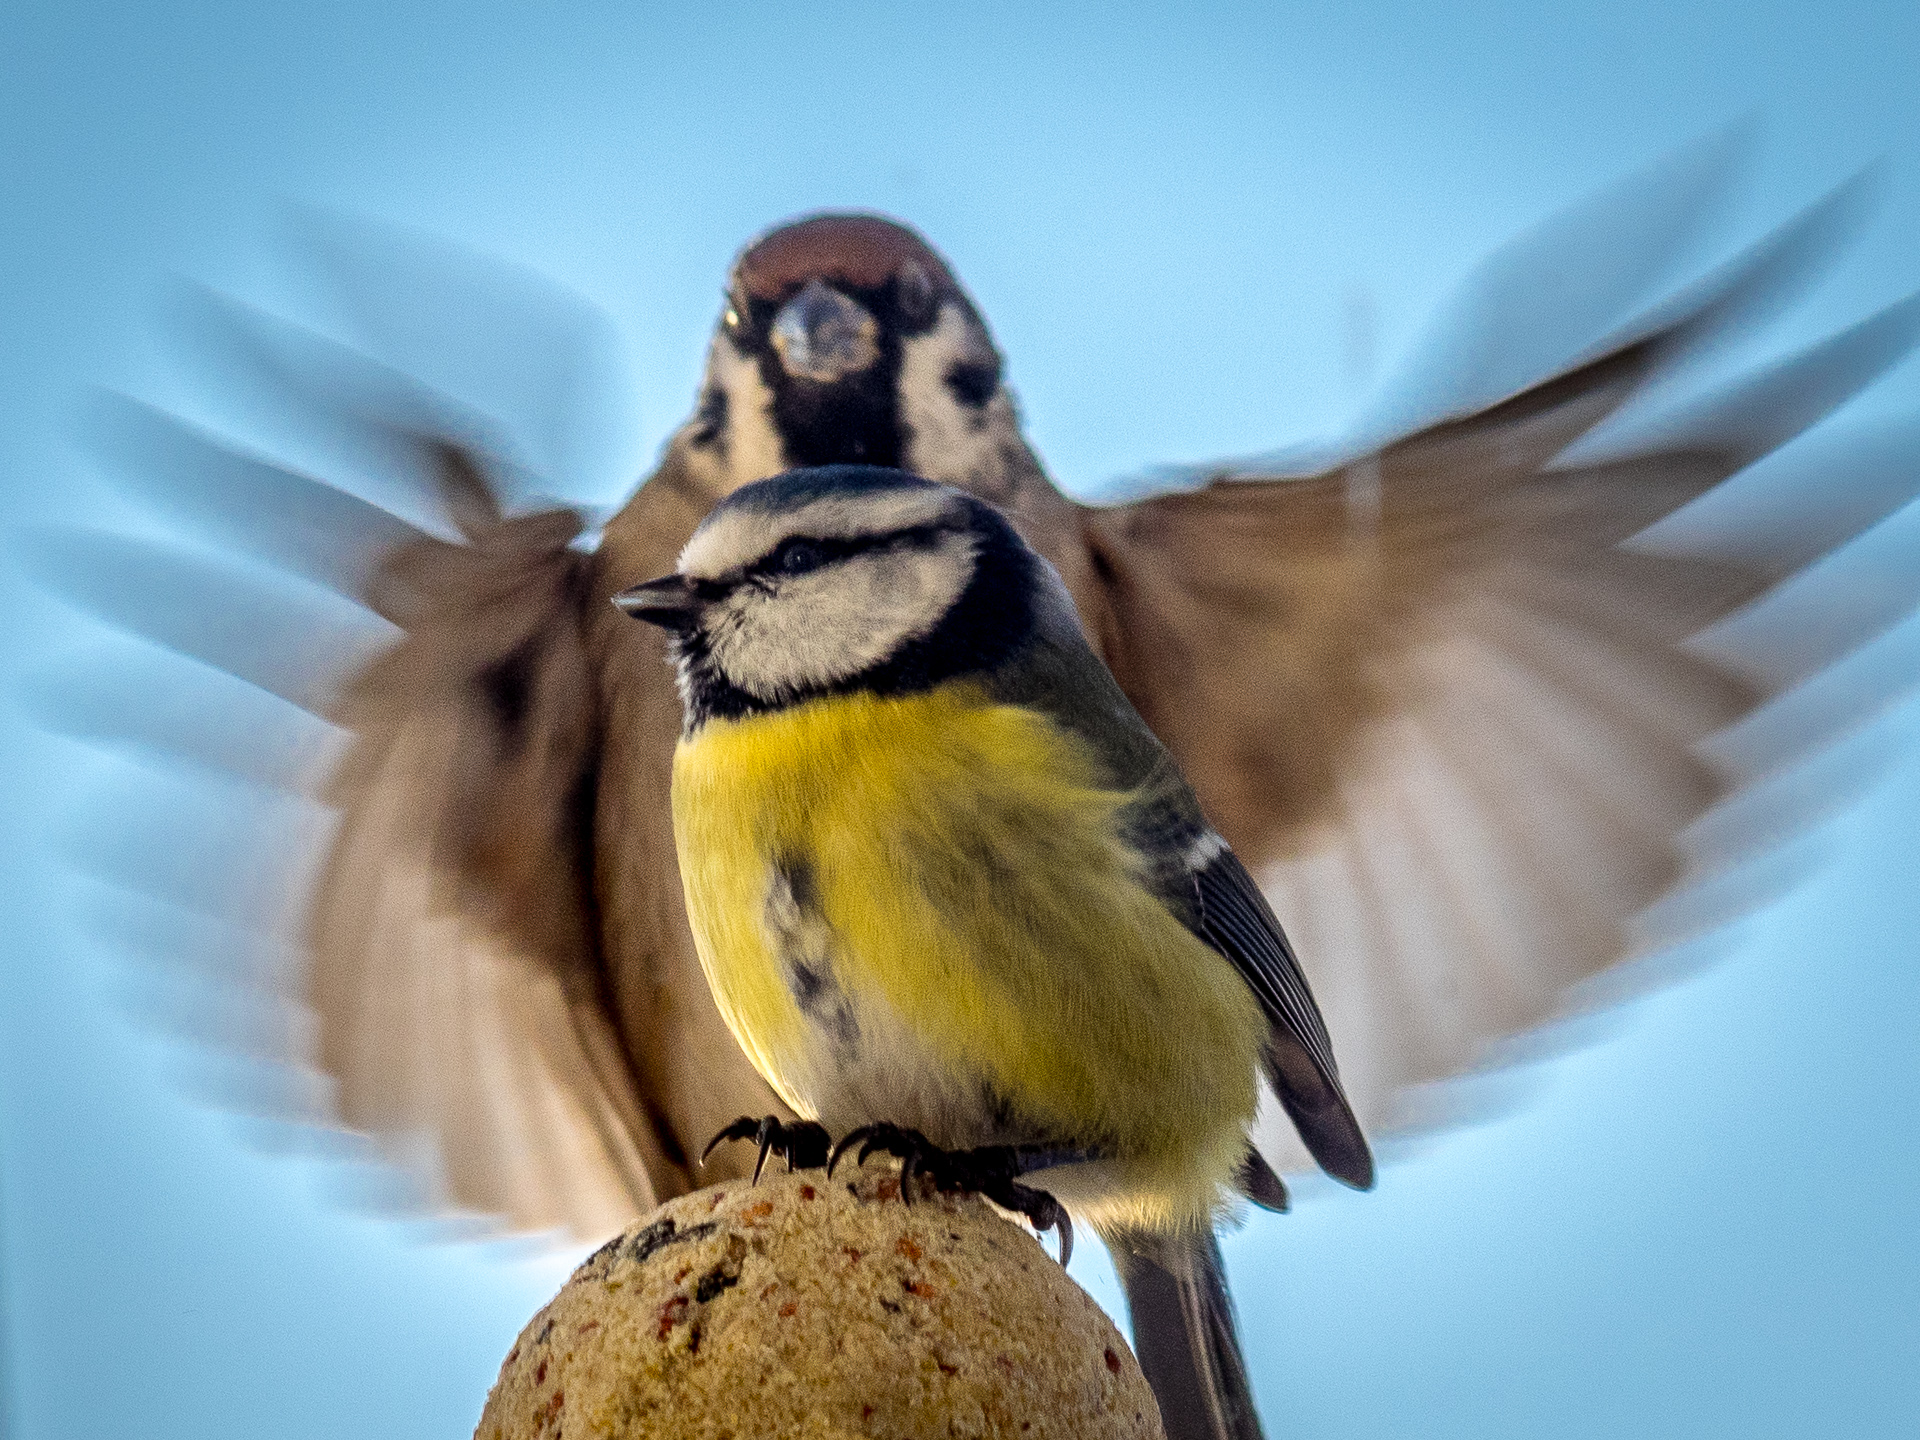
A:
(746, 1127)
(895, 1140)
(1041, 1210)
(765, 1138)
(803, 1144)
(916, 1153)
(1065, 1227)
(989, 1171)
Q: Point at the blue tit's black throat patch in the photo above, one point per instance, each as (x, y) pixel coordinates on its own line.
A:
(985, 627)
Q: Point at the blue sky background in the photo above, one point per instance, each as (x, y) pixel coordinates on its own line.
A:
(1701, 1222)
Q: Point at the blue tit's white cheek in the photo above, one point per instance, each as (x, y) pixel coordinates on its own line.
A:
(947, 440)
(747, 446)
(812, 631)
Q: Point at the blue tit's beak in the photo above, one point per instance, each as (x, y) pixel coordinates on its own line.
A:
(823, 336)
(669, 602)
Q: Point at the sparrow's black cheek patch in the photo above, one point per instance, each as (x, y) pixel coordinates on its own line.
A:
(973, 385)
(710, 419)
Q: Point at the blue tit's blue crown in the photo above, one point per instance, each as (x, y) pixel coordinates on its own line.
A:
(794, 488)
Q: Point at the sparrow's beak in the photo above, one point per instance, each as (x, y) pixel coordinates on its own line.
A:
(668, 602)
(821, 335)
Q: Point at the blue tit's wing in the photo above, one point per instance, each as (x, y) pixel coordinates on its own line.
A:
(1197, 876)
(367, 750)
(1452, 700)
(1236, 920)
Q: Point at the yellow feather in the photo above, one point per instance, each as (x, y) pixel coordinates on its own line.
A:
(977, 890)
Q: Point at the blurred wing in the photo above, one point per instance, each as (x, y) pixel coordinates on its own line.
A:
(1444, 708)
(455, 961)
(449, 943)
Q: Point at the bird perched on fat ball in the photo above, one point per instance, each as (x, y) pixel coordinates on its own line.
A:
(1423, 687)
(952, 895)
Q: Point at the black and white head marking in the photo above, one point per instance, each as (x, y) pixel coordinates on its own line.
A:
(846, 340)
(846, 578)
(957, 416)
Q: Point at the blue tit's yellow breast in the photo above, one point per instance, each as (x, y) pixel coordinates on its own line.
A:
(967, 879)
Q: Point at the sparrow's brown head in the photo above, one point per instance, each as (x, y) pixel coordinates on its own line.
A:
(858, 252)
(846, 340)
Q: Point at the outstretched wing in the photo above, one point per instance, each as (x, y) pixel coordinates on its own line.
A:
(456, 966)
(1452, 710)
(446, 943)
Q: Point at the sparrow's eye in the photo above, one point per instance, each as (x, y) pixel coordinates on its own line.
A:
(973, 383)
(796, 557)
(734, 318)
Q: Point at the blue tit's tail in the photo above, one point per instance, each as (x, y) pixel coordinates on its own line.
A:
(1183, 1334)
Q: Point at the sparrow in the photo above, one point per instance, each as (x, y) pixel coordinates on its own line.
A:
(1430, 686)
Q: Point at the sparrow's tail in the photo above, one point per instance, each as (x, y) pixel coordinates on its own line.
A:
(1184, 1335)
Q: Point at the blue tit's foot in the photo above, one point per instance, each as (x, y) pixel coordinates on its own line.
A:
(801, 1143)
(1041, 1210)
(992, 1171)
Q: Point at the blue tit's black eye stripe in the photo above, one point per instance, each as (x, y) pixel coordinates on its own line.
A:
(800, 554)
(796, 557)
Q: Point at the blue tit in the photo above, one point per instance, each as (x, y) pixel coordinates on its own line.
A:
(942, 877)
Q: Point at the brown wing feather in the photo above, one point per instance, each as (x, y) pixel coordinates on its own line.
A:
(450, 947)
(493, 949)
(456, 967)
(1444, 709)
(694, 1072)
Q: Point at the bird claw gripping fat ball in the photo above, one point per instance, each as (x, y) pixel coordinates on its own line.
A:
(801, 1143)
(1432, 683)
(991, 1171)
(817, 1309)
